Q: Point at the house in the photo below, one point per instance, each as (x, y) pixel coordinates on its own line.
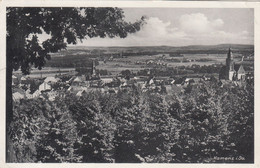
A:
(28, 94)
(150, 81)
(115, 83)
(15, 80)
(18, 96)
(44, 87)
(37, 93)
(51, 79)
(77, 80)
(76, 89)
(24, 80)
(189, 81)
(205, 78)
(241, 73)
(106, 80)
(81, 93)
(123, 85)
(70, 80)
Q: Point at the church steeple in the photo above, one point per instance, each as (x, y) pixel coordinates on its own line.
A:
(228, 71)
(93, 68)
(230, 65)
(229, 60)
(230, 54)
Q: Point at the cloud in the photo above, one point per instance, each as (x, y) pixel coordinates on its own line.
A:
(194, 28)
(155, 30)
(217, 23)
(199, 23)
(154, 27)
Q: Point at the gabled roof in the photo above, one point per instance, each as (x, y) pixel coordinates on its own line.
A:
(79, 93)
(172, 82)
(19, 90)
(17, 96)
(44, 86)
(241, 70)
(77, 79)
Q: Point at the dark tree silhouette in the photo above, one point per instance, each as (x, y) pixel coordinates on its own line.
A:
(64, 26)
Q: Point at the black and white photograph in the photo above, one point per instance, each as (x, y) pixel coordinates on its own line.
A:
(129, 85)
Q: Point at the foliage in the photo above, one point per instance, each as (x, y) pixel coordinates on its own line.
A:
(43, 131)
(25, 129)
(96, 130)
(58, 135)
(64, 25)
(202, 125)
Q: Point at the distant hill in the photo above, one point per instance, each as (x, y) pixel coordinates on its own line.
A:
(92, 52)
(166, 49)
(75, 55)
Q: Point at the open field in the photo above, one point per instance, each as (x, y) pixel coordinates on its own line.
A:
(46, 72)
(117, 59)
(130, 62)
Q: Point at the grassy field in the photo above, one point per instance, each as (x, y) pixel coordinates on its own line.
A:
(46, 72)
(135, 58)
(130, 63)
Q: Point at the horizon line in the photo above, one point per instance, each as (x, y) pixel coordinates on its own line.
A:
(162, 45)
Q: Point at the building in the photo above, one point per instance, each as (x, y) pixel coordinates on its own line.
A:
(232, 71)
(18, 96)
(44, 87)
(241, 73)
(51, 79)
(15, 80)
(93, 68)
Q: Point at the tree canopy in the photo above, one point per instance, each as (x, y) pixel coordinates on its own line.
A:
(131, 126)
(64, 26)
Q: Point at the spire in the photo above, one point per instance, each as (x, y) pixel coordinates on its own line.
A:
(93, 68)
(230, 54)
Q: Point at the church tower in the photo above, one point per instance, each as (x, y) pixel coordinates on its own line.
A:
(230, 69)
(93, 68)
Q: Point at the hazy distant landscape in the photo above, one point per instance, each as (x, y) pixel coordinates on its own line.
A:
(193, 49)
(116, 59)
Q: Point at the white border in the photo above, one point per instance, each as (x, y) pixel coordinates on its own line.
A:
(147, 4)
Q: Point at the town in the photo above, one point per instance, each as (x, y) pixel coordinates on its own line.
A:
(155, 75)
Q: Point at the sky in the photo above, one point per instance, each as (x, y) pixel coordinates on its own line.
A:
(185, 26)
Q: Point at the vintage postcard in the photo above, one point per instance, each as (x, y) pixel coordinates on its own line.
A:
(115, 82)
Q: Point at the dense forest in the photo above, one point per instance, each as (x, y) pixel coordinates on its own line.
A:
(204, 123)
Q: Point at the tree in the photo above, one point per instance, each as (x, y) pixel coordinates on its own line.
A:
(145, 131)
(25, 129)
(95, 129)
(126, 74)
(64, 26)
(58, 134)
